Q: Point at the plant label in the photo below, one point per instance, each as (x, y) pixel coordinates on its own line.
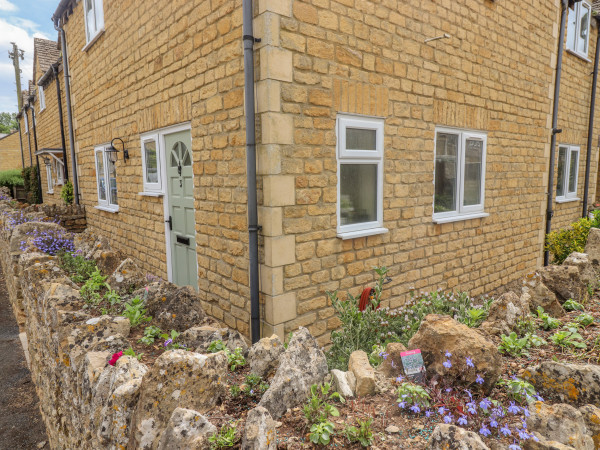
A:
(414, 367)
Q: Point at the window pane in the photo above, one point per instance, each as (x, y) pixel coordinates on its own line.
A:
(584, 28)
(571, 28)
(560, 175)
(90, 19)
(100, 176)
(446, 159)
(358, 193)
(151, 162)
(49, 178)
(112, 182)
(473, 166)
(361, 139)
(573, 166)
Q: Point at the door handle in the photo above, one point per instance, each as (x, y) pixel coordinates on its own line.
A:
(170, 222)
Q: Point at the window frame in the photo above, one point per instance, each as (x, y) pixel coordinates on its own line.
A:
(97, 6)
(42, 98)
(158, 187)
(49, 180)
(345, 156)
(461, 212)
(104, 204)
(569, 196)
(578, 6)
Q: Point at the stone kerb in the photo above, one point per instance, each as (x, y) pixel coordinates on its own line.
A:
(84, 401)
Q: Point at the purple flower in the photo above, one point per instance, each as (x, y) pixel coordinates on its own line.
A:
(428, 413)
(399, 378)
(448, 354)
(538, 398)
(514, 447)
(168, 342)
(470, 362)
(471, 408)
(526, 411)
(484, 431)
(441, 410)
(462, 420)
(494, 423)
(523, 434)
(485, 404)
(447, 364)
(479, 379)
(402, 404)
(505, 431)
(415, 408)
(469, 394)
(448, 418)
(513, 409)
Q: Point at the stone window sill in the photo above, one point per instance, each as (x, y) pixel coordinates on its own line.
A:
(93, 40)
(151, 194)
(579, 55)
(458, 218)
(567, 200)
(110, 209)
(362, 233)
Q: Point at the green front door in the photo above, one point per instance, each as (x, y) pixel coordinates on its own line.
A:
(178, 155)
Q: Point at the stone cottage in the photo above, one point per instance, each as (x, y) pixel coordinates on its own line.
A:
(10, 152)
(415, 137)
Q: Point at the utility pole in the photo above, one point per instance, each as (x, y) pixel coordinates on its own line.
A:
(15, 55)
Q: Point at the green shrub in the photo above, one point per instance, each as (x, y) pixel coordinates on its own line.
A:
(78, 268)
(561, 243)
(31, 185)
(135, 312)
(515, 346)
(66, 193)
(10, 178)
(362, 434)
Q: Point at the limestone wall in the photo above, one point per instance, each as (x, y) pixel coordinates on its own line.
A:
(10, 152)
(85, 402)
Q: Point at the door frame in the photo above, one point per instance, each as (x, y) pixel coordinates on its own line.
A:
(160, 133)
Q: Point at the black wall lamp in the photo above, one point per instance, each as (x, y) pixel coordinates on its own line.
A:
(113, 151)
(46, 160)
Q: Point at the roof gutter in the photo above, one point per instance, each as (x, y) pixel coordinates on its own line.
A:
(555, 130)
(248, 39)
(588, 161)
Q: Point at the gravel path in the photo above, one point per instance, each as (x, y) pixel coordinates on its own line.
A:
(21, 425)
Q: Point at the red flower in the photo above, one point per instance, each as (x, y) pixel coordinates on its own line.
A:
(114, 358)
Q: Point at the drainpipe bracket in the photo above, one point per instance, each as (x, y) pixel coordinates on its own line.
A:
(556, 130)
(247, 37)
(549, 215)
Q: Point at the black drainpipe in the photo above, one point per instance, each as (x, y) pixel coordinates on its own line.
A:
(253, 227)
(37, 158)
(555, 130)
(586, 189)
(21, 143)
(60, 120)
(25, 108)
(65, 61)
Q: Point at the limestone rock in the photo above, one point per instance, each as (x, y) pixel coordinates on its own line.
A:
(587, 272)
(391, 366)
(173, 307)
(365, 374)
(541, 295)
(108, 261)
(21, 234)
(186, 430)
(259, 432)
(126, 278)
(505, 312)
(577, 384)
(438, 334)
(178, 379)
(561, 423)
(340, 383)
(592, 247)
(543, 444)
(451, 437)
(200, 338)
(301, 365)
(264, 355)
(564, 281)
(591, 418)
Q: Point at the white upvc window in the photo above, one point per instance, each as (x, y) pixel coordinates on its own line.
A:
(567, 174)
(42, 98)
(578, 28)
(94, 19)
(26, 123)
(459, 177)
(151, 164)
(49, 179)
(59, 168)
(360, 176)
(106, 180)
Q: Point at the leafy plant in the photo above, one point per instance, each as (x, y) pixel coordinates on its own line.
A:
(561, 243)
(568, 338)
(226, 437)
(112, 297)
(235, 359)
(151, 332)
(515, 346)
(518, 389)
(320, 432)
(254, 386)
(217, 346)
(90, 291)
(235, 390)
(78, 268)
(475, 317)
(11, 177)
(376, 356)
(318, 408)
(131, 352)
(362, 434)
(585, 319)
(171, 340)
(549, 323)
(525, 325)
(413, 394)
(572, 305)
(135, 312)
(31, 184)
(66, 193)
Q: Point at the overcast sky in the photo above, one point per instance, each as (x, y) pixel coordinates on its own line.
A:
(20, 22)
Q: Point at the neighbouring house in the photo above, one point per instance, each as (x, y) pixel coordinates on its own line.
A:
(412, 136)
(10, 152)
